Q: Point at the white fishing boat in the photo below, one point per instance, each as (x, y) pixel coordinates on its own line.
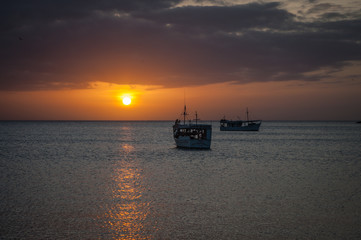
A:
(192, 135)
(239, 125)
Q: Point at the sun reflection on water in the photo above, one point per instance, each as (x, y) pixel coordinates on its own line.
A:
(127, 215)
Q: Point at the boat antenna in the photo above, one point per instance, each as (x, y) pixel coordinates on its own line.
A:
(184, 97)
(247, 115)
(185, 108)
(184, 114)
(197, 118)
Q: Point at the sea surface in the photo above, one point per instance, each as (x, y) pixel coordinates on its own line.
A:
(127, 180)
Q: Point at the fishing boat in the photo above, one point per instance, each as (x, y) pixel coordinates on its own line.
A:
(239, 125)
(192, 135)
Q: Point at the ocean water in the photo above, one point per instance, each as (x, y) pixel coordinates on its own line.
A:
(127, 180)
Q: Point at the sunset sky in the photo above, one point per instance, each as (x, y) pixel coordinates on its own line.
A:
(77, 60)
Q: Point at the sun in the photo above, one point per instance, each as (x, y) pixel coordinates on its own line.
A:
(127, 101)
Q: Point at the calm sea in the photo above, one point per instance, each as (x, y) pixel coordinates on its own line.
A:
(126, 180)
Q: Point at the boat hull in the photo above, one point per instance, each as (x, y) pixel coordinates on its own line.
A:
(187, 142)
(197, 136)
(254, 127)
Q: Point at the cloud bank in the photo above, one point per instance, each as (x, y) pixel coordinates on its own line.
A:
(68, 44)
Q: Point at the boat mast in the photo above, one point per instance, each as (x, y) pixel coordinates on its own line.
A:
(185, 108)
(184, 114)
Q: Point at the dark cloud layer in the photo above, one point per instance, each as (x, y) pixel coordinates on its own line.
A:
(67, 44)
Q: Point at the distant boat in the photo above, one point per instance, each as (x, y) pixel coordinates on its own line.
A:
(192, 135)
(248, 125)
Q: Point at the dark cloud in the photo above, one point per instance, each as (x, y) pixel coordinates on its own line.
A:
(18, 14)
(218, 18)
(68, 45)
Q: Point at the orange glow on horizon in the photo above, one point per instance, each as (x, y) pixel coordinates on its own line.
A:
(290, 100)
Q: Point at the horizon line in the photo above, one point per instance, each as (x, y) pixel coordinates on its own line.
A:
(85, 120)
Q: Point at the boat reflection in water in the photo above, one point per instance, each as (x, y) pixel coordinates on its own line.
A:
(127, 214)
